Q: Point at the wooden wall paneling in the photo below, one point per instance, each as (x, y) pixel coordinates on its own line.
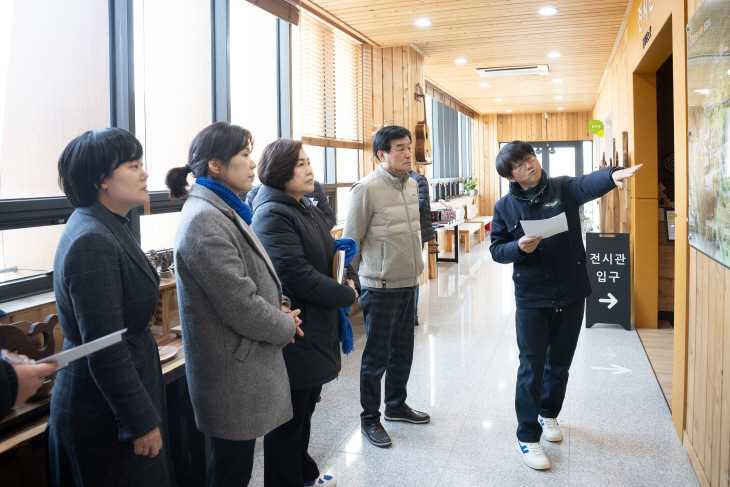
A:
(701, 445)
(717, 370)
(407, 95)
(388, 113)
(398, 101)
(724, 473)
(709, 391)
(691, 343)
(377, 100)
(696, 440)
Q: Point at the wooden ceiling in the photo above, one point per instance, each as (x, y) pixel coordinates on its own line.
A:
(498, 33)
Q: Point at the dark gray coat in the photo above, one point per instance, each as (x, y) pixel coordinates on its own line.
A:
(103, 283)
(424, 207)
(301, 248)
(233, 327)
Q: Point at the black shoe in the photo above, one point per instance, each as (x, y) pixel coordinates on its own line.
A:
(416, 321)
(376, 434)
(319, 399)
(409, 416)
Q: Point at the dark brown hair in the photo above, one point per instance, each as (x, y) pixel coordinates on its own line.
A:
(221, 141)
(277, 162)
(92, 157)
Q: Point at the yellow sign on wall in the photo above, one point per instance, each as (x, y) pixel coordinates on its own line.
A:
(596, 127)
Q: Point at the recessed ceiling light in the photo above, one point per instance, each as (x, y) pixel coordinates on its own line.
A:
(508, 110)
(483, 84)
(558, 97)
(497, 99)
(423, 22)
(560, 108)
(557, 81)
(460, 60)
(703, 92)
(547, 11)
(558, 90)
(554, 54)
(728, 72)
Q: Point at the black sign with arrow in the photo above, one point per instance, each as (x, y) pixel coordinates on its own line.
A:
(609, 269)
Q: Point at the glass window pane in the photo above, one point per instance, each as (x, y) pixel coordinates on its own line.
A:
(253, 73)
(158, 231)
(343, 199)
(172, 71)
(30, 250)
(316, 157)
(348, 165)
(562, 163)
(54, 85)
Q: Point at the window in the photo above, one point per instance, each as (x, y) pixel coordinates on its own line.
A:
(172, 81)
(54, 85)
(253, 73)
(452, 151)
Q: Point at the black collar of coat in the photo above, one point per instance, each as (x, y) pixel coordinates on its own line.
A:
(514, 188)
(267, 194)
(129, 244)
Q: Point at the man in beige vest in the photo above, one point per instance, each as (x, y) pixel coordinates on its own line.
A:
(383, 219)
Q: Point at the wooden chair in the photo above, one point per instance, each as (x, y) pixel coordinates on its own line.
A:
(35, 340)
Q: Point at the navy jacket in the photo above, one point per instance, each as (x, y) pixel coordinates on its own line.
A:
(318, 197)
(298, 241)
(554, 274)
(424, 206)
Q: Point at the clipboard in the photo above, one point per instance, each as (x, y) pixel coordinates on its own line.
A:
(65, 358)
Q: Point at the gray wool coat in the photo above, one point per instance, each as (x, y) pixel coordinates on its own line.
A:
(233, 327)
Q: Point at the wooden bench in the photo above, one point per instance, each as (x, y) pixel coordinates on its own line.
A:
(485, 221)
(465, 232)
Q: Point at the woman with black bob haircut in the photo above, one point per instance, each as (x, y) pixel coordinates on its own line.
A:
(108, 424)
(234, 319)
(297, 238)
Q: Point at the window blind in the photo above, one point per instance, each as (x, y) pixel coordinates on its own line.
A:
(330, 85)
(284, 9)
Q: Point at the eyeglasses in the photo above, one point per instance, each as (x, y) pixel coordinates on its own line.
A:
(531, 160)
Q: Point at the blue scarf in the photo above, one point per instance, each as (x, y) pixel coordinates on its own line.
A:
(346, 337)
(228, 196)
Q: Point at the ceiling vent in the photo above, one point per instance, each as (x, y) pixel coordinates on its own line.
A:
(539, 70)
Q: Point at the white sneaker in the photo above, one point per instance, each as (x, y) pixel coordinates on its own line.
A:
(533, 456)
(550, 428)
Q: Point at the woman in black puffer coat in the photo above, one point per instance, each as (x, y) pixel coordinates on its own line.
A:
(297, 238)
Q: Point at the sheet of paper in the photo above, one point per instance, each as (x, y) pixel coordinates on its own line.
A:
(545, 228)
(64, 358)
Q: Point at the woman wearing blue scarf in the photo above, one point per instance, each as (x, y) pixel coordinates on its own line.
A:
(297, 238)
(234, 320)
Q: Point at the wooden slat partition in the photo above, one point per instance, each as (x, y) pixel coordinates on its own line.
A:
(530, 127)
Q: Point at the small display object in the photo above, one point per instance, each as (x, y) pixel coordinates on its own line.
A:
(670, 217)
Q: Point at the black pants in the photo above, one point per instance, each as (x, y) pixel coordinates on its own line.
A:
(390, 328)
(547, 339)
(286, 459)
(230, 463)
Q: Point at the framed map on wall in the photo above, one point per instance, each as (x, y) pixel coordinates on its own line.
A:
(708, 96)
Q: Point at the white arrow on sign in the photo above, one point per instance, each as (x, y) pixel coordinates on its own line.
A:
(611, 301)
(616, 369)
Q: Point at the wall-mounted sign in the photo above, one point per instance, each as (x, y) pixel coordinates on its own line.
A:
(645, 7)
(596, 127)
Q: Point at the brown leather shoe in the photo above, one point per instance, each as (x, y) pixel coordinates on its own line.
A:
(408, 415)
(376, 434)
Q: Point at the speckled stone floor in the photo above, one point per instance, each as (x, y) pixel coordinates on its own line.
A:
(617, 427)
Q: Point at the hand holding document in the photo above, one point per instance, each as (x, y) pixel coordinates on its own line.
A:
(545, 228)
(64, 358)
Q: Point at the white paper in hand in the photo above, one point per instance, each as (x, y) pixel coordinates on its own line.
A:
(545, 228)
(64, 358)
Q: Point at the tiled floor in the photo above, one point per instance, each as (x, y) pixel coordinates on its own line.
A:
(617, 427)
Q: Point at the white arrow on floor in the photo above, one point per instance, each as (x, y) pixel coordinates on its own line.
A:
(616, 369)
(611, 300)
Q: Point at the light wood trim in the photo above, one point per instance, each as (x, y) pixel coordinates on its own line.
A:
(340, 144)
(280, 8)
(331, 19)
(695, 462)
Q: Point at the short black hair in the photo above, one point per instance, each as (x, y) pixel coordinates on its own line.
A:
(384, 136)
(278, 161)
(512, 152)
(92, 157)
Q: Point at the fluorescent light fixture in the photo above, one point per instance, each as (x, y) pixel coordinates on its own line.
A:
(557, 81)
(561, 108)
(497, 99)
(548, 11)
(423, 22)
(508, 110)
(554, 54)
(483, 84)
(460, 60)
(703, 92)
(558, 97)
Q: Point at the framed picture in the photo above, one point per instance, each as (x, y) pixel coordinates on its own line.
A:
(670, 217)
